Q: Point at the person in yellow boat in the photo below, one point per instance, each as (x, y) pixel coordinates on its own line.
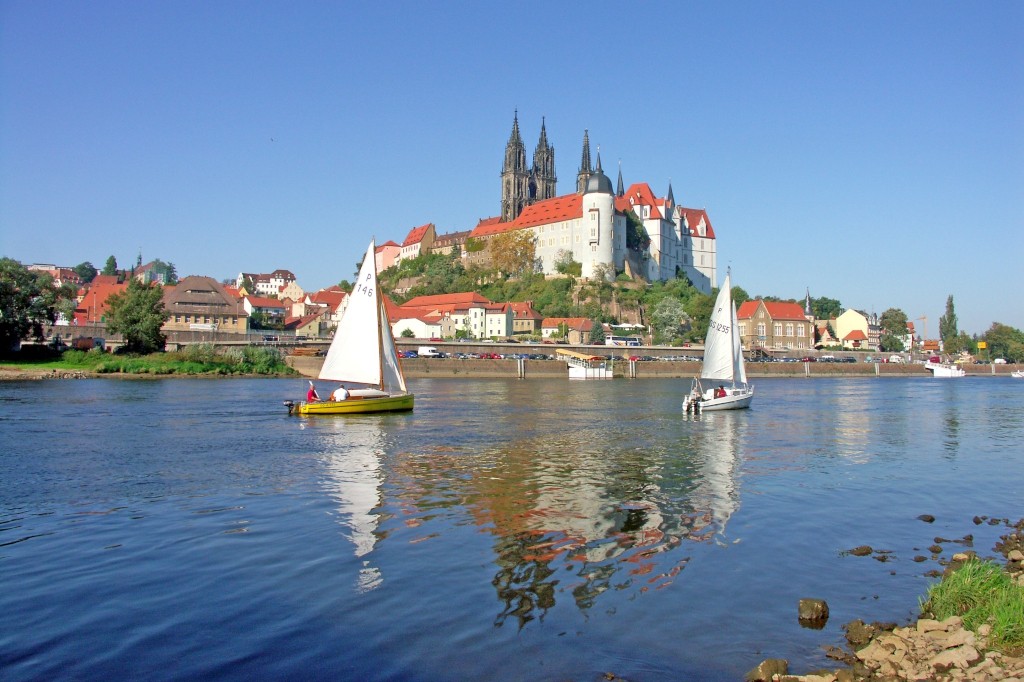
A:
(340, 393)
(311, 394)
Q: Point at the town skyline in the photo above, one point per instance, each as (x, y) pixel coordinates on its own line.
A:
(861, 152)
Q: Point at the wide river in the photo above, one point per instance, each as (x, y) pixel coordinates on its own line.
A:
(506, 530)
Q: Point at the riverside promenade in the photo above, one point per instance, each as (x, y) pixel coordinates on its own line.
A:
(649, 369)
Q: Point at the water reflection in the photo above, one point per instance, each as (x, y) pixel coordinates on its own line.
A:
(581, 513)
(353, 477)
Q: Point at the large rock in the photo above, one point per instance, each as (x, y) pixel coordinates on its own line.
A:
(768, 668)
(813, 612)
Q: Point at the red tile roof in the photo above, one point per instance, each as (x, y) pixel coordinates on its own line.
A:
(330, 297)
(93, 306)
(524, 310)
(580, 324)
(856, 335)
(777, 310)
(693, 217)
(641, 195)
(555, 210)
(490, 226)
(416, 234)
(263, 302)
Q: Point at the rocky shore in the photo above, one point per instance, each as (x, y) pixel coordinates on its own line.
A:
(928, 649)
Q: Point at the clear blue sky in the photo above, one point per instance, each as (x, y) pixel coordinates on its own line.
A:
(871, 151)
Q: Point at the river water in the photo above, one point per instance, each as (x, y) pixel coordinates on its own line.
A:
(505, 530)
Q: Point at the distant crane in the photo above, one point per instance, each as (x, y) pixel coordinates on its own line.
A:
(924, 334)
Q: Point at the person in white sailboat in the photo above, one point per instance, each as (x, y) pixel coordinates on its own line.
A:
(340, 393)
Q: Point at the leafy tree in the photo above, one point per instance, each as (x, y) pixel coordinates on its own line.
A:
(85, 271)
(138, 313)
(637, 238)
(667, 320)
(1004, 341)
(947, 326)
(893, 322)
(28, 301)
(513, 252)
(596, 332)
(890, 343)
(345, 285)
(407, 333)
(699, 308)
(169, 272)
(825, 308)
(739, 296)
(565, 264)
(110, 268)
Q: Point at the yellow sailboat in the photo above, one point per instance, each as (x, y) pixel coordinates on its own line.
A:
(362, 355)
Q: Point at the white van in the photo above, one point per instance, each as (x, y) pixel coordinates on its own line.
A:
(428, 352)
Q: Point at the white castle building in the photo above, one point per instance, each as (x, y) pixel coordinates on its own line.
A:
(609, 230)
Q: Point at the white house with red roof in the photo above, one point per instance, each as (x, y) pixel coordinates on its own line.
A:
(266, 284)
(419, 240)
(468, 311)
(852, 329)
(272, 309)
(386, 255)
(578, 328)
(775, 325)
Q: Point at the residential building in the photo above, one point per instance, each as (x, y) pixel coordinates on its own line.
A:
(386, 255)
(774, 325)
(272, 310)
(198, 303)
(266, 284)
(851, 329)
(525, 320)
(578, 328)
(92, 299)
(419, 240)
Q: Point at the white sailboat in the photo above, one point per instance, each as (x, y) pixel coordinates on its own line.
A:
(723, 362)
(363, 355)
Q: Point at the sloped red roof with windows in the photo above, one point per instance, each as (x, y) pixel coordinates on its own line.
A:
(777, 310)
(490, 226)
(93, 306)
(580, 324)
(387, 243)
(555, 210)
(524, 311)
(639, 194)
(416, 234)
(263, 302)
(693, 217)
(330, 297)
(856, 335)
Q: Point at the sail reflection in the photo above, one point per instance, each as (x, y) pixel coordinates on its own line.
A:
(611, 520)
(354, 476)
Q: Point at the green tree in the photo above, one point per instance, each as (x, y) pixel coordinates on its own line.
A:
(637, 238)
(890, 343)
(138, 313)
(28, 301)
(668, 320)
(110, 268)
(407, 333)
(167, 270)
(565, 264)
(1004, 341)
(85, 271)
(513, 252)
(739, 296)
(948, 331)
(596, 332)
(699, 308)
(894, 322)
(826, 308)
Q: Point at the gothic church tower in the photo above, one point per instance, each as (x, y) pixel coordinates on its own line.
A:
(521, 186)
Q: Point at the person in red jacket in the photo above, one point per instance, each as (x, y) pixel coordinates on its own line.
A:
(311, 394)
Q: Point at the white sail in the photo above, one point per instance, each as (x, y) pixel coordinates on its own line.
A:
(718, 346)
(363, 350)
(738, 369)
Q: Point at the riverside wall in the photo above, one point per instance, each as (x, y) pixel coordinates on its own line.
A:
(659, 369)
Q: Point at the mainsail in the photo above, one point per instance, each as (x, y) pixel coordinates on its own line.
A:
(719, 354)
(363, 350)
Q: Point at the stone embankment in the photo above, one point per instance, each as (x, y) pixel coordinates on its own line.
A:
(10, 374)
(926, 650)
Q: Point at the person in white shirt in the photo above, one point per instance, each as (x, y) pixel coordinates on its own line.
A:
(340, 393)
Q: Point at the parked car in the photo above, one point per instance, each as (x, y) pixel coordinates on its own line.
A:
(809, 358)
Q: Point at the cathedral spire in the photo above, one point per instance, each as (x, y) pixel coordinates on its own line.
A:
(619, 190)
(670, 199)
(585, 168)
(515, 176)
(543, 178)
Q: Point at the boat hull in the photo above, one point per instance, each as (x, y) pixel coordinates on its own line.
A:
(736, 401)
(945, 371)
(358, 405)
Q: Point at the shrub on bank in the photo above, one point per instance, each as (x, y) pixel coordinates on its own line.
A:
(200, 359)
(981, 592)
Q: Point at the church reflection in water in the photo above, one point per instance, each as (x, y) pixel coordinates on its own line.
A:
(569, 516)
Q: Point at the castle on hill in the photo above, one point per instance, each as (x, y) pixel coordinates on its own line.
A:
(609, 230)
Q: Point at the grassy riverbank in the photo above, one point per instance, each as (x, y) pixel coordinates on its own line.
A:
(197, 360)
